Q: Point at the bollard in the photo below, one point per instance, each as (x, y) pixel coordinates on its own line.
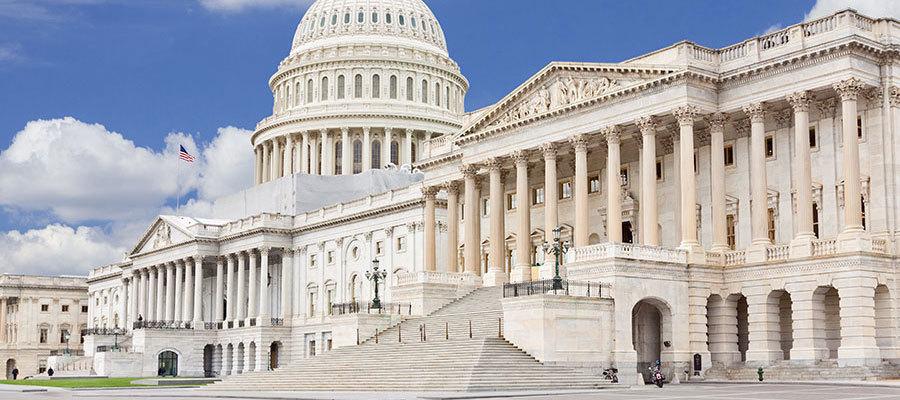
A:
(446, 331)
(470, 329)
(376, 336)
(500, 327)
(759, 372)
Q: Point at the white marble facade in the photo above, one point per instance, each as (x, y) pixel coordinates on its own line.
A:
(751, 202)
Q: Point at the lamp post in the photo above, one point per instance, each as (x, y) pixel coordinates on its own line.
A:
(557, 248)
(66, 338)
(376, 275)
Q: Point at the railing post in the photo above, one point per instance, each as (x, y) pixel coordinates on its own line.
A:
(357, 336)
(376, 336)
(470, 329)
(400, 333)
(446, 330)
(500, 327)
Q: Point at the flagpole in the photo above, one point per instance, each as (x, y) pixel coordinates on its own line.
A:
(177, 184)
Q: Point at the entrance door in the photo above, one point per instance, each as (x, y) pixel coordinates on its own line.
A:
(208, 360)
(273, 358)
(10, 366)
(627, 234)
(168, 363)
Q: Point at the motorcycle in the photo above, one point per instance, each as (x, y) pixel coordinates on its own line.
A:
(611, 374)
(657, 377)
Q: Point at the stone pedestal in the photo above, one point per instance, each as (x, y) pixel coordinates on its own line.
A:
(495, 277)
(567, 330)
(801, 247)
(347, 329)
(854, 241)
(428, 291)
(757, 252)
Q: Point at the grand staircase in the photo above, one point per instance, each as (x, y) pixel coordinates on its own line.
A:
(448, 356)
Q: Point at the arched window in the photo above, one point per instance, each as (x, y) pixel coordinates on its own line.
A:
(357, 86)
(412, 154)
(297, 92)
(341, 84)
(347, 18)
(324, 88)
(447, 97)
(437, 94)
(309, 91)
(402, 20)
(425, 91)
(409, 89)
(387, 18)
(338, 157)
(322, 22)
(334, 20)
(288, 98)
(395, 152)
(376, 86)
(393, 87)
(357, 156)
(168, 363)
(413, 21)
(361, 17)
(376, 154)
(375, 17)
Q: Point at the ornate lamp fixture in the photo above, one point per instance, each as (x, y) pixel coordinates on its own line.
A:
(376, 275)
(557, 248)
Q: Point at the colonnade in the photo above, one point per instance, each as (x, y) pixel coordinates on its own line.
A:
(686, 117)
(170, 292)
(314, 152)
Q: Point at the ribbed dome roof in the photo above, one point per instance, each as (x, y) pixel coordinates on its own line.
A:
(369, 22)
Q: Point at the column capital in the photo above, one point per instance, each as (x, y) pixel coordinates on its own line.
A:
(647, 125)
(520, 157)
(685, 114)
(366, 130)
(345, 130)
(493, 164)
(549, 150)
(469, 170)
(849, 89)
(429, 192)
(717, 121)
(409, 132)
(452, 188)
(580, 142)
(800, 101)
(304, 135)
(894, 94)
(323, 132)
(264, 250)
(756, 112)
(612, 134)
(388, 130)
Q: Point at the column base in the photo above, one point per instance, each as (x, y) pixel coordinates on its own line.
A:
(264, 320)
(696, 252)
(520, 273)
(495, 277)
(854, 240)
(801, 246)
(808, 356)
(859, 357)
(758, 251)
(763, 357)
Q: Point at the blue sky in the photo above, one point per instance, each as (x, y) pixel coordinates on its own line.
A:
(160, 73)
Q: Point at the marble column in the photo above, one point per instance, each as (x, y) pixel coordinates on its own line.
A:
(123, 305)
(613, 185)
(522, 269)
(3, 337)
(717, 181)
(178, 304)
(367, 149)
(407, 147)
(851, 236)
(257, 164)
(287, 279)
(142, 294)
(579, 142)
(472, 228)
(551, 197)
(685, 116)
(277, 159)
(252, 295)
(649, 211)
(289, 155)
(326, 163)
(131, 313)
(346, 152)
(219, 295)
(266, 166)
(801, 245)
(496, 274)
(196, 304)
(452, 227)
(151, 294)
(386, 148)
(231, 290)
(429, 194)
(161, 292)
(170, 292)
(314, 154)
(240, 312)
(265, 313)
(759, 207)
(304, 153)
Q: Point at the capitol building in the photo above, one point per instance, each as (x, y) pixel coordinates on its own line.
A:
(718, 210)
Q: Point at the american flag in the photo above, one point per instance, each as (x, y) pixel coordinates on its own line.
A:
(184, 155)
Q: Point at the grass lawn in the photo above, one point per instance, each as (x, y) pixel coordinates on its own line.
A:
(74, 383)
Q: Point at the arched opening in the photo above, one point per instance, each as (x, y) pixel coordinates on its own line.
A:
(168, 363)
(884, 327)
(831, 320)
(357, 87)
(410, 90)
(251, 357)
(395, 152)
(357, 156)
(341, 85)
(376, 155)
(239, 359)
(228, 359)
(651, 333)
(338, 157)
(10, 366)
(594, 239)
(274, 358)
(627, 233)
(785, 321)
(208, 351)
(324, 88)
(376, 86)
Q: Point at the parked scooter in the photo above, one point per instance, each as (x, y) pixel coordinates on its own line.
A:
(612, 374)
(656, 375)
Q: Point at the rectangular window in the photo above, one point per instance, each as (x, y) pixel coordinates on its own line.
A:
(312, 261)
(771, 216)
(84, 309)
(379, 247)
(330, 257)
(659, 170)
(729, 155)
(511, 201)
(565, 190)
(730, 231)
(813, 139)
(65, 308)
(63, 335)
(45, 307)
(44, 333)
(329, 301)
(537, 195)
(859, 126)
(328, 345)
(485, 207)
(594, 184)
(623, 176)
(312, 348)
(815, 218)
(862, 208)
(770, 146)
(696, 163)
(401, 243)
(312, 304)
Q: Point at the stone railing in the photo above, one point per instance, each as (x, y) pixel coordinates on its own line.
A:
(264, 220)
(734, 257)
(162, 325)
(824, 247)
(778, 252)
(449, 278)
(629, 251)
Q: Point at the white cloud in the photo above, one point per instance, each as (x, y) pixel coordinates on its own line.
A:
(241, 5)
(871, 8)
(228, 164)
(56, 249)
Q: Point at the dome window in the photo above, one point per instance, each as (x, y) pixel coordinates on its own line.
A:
(387, 18)
(402, 20)
(393, 87)
(334, 20)
(361, 17)
(437, 94)
(409, 89)
(358, 87)
(322, 22)
(413, 21)
(375, 17)
(340, 87)
(347, 18)
(425, 91)
(324, 88)
(376, 86)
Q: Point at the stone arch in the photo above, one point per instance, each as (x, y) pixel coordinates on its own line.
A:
(884, 322)
(251, 357)
(275, 355)
(208, 360)
(651, 332)
(168, 361)
(228, 359)
(784, 320)
(10, 366)
(728, 328)
(239, 358)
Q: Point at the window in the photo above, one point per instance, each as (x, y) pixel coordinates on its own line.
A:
(511, 201)
(437, 94)
(537, 195)
(341, 83)
(402, 20)
(379, 247)
(329, 301)
(412, 152)
(375, 17)
(388, 19)
(593, 184)
(401, 243)
(65, 308)
(313, 261)
(322, 21)
(312, 308)
(334, 20)
(815, 219)
(330, 257)
(357, 156)
(485, 207)
(859, 126)
(347, 18)
(44, 333)
(309, 91)
(328, 344)
(565, 190)
(412, 20)
(659, 170)
(771, 224)
(376, 86)
(729, 155)
(813, 142)
(696, 163)
(63, 335)
(312, 347)
(376, 154)
(84, 309)
(409, 88)
(357, 87)
(862, 208)
(361, 17)
(45, 307)
(393, 86)
(395, 152)
(770, 146)
(297, 94)
(730, 231)
(324, 88)
(424, 90)
(338, 157)
(623, 176)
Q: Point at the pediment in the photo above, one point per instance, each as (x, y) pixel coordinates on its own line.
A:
(162, 233)
(561, 85)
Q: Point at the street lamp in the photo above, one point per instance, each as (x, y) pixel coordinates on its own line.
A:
(375, 276)
(66, 338)
(557, 248)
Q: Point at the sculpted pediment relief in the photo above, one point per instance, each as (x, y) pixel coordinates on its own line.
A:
(161, 234)
(555, 95)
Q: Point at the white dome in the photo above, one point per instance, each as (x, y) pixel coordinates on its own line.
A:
(407, 23)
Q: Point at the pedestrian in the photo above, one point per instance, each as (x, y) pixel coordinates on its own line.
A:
(50, 372)
(15, 373)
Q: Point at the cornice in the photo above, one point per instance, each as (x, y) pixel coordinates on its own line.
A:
(364, 214)
(438, 160)
(339, 116)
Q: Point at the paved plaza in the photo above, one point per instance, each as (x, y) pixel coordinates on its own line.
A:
(742, 391)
